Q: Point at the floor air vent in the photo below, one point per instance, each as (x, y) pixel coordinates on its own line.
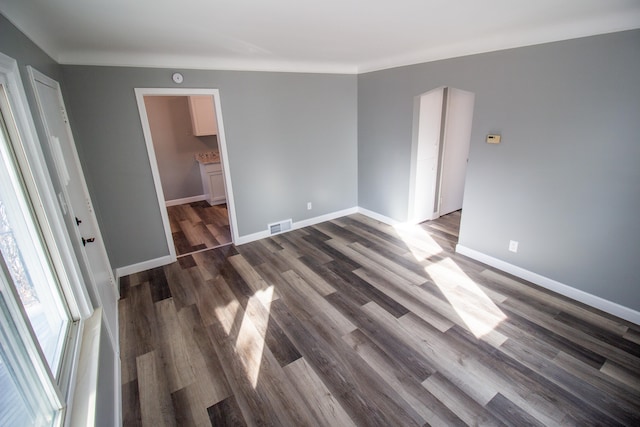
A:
(279, 227)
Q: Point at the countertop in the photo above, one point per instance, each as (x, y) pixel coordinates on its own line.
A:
(207, 157)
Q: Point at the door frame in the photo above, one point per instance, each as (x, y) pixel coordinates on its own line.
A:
(425, 121)
(222, 146)
(37, 76)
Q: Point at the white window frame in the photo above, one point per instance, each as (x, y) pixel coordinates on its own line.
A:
(51, 221)
(27, 237)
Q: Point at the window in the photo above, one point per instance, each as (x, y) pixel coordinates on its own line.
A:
(24, 256)
(40, 314)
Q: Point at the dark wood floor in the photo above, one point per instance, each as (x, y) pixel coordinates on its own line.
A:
(197, 226)
(352, 322)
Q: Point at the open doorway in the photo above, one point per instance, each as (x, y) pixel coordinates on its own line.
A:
(185, 141)
(440, 151)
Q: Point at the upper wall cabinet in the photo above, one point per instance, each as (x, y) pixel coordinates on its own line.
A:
(203, 115)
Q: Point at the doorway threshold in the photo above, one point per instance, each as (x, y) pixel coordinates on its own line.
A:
(204, 250)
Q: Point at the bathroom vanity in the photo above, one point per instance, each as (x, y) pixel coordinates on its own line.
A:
(212, 178)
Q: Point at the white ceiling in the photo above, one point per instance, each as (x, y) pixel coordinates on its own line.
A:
(334, 36)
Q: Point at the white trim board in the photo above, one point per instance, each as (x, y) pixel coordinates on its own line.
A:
(140, 93)
(83, 409)
(185, 200)
(142, 266)
(374, 215)
(560, 288)
(159, 262)
(553, 285)
(296, 225)
(248, 238)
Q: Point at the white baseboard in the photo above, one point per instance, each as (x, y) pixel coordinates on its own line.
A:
(185, 200)
(146, 265)
(296, 225)
(553, 285)
(378, 217)
(142, 266)
(248, 238)
(325, 217)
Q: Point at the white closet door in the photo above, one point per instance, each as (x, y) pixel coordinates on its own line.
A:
(457, 138)
(425, 157)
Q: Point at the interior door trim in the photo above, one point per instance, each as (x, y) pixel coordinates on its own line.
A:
(222, 145)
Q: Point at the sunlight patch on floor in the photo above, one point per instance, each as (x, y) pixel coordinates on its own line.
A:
(250, 343)
(418, 241)
(227, 314)
(479, 313)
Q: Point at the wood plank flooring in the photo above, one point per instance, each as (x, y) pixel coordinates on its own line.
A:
(355, 323)
(197, 226)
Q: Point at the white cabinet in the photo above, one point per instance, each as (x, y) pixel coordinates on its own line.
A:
(203, 115)
(216, 188)
(213, 183)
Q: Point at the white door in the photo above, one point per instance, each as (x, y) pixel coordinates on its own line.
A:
(76, 203)
(425, 149)
(457, 138)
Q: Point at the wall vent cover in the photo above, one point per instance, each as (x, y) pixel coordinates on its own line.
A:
(279, 227)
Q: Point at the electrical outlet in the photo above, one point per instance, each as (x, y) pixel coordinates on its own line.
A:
(513, 245)
(308, 206)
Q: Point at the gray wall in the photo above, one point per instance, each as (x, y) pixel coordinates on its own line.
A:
(291, 138)
(176, 146)
(564, 182)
